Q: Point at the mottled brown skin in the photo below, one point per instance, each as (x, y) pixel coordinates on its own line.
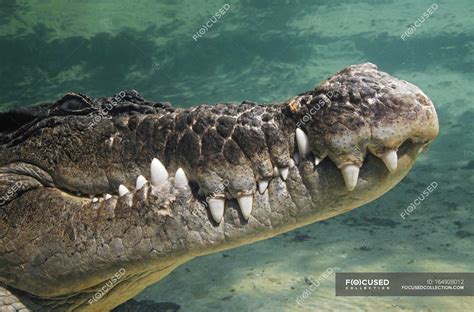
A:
(57, 248)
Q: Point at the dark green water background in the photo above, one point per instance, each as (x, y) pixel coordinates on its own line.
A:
(265, 51)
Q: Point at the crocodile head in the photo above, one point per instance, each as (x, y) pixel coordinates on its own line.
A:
(110, 195)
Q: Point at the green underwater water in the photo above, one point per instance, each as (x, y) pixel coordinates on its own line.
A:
(266, 51)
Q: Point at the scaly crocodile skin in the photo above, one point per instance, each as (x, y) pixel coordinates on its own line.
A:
(74, 213)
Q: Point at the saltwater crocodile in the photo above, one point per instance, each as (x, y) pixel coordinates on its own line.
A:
(102, 197)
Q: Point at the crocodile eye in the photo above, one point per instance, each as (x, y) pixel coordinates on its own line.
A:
(72, 103)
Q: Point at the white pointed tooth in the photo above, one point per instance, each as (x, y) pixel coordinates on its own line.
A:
(350, 174)
(141, 181)
(262, 186)
(159, 174)
(317, 160)
(390, 159)
(180, 179)
(284, 173)
(303, 142)
(245, 204)
(276, 173)
(216, 205)
(296, 158)
(123, 190)
(107, 196)
(292, 163)
(95, 200)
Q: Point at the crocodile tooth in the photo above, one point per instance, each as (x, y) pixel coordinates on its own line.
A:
(390, 159)
(123, 190)
(245, 204)
(180, 179)
(159, 174)
(317, 160)
(107, 196)
(350, 174)
(216, 205)
(141, 181)
(292, 163)
(276, 173)
(296, 158)
(302, 142)
(284, 173)
(95, 200)
(262, 186)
